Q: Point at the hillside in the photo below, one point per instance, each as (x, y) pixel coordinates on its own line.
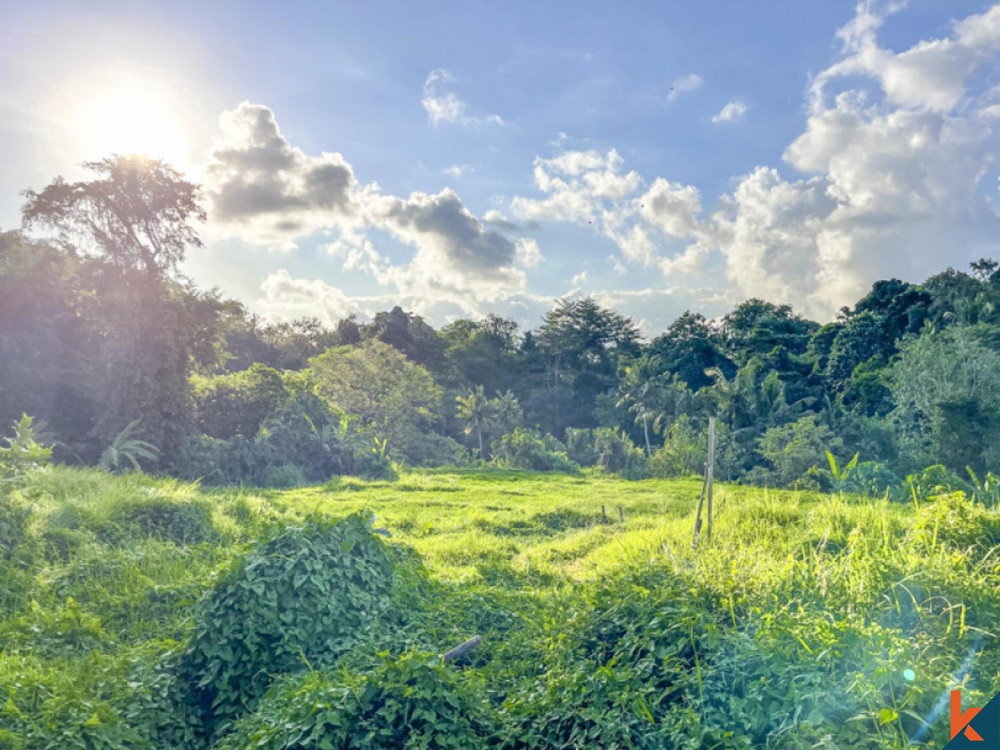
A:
(141, 612)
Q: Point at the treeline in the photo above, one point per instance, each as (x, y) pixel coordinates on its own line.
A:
(120, 358)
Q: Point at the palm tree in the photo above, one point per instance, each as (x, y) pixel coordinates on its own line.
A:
(477, 411)
(127, 448)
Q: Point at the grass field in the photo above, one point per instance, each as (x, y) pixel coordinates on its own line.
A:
(809, 621)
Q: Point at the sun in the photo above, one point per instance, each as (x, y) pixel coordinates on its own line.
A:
(126, 115)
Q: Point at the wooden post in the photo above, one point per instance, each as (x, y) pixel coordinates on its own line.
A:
(621, 514)
(701, 504)
(711, 470)
(604, 513)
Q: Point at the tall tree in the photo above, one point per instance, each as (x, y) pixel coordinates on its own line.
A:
(136, 213)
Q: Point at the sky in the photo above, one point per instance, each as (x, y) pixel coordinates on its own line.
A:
(461, 159)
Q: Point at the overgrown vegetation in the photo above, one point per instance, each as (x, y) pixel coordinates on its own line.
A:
(147, 613)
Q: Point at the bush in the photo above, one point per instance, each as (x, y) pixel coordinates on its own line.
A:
(283, 476)
(684, 451)
(302, 597)
(412, 702)
(617, 453)
(580, 446)
(166, 518)
(793, 448)
(525, 449)
(373, 466)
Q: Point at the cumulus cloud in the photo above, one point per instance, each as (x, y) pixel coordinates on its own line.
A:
(888, 176)
(457, 170)
(443, 105)
(683, 85)
(267, 192)
(732, 112)
(285, 297)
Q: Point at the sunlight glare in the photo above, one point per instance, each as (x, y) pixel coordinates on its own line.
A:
(130, 117)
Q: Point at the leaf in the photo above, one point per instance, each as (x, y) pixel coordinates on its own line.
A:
(886, 716)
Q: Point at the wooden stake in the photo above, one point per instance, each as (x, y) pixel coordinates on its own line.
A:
(604, 513)
(710, 472)
(701, 504)
(621, 514)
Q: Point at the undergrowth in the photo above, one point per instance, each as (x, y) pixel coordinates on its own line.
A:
(144, 613)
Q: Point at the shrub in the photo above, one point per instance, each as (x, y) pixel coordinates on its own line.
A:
(303, 596)
(283, 476)
(166, 518)
(684, 451)
(412, 702)
(580, 446)
(373, 466)
(793, 448)
(525, 449)
(617, 453)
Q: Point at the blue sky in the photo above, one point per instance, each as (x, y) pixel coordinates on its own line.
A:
(466, 158)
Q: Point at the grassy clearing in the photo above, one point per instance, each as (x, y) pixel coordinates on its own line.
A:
(811, 620)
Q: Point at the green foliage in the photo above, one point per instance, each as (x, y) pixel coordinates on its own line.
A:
(373, 465)
(127, 449)
(794, 448)
(377, 384)
(22, 455)
(238, 403)
(684, 451)
(617, 454)
(525, 449)
(413, 702)
(301, 598)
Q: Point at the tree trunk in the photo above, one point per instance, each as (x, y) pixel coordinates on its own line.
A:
(645, 431)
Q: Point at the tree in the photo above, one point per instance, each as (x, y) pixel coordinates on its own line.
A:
(136, 214)
(583, 344)
(946, 387)
(477, 412)
(377, 384)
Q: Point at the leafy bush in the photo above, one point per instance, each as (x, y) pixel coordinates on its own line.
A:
(525, 449)
(871, 479)
(412, 702)
(580, 446)
(793, 448)
(171, 519)
(22, 455)
(617, 453)
(372, 465)
(303, 596)
(684, 451)
(282, 476)
(931, 482)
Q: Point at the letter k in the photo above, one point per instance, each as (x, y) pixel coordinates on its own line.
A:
(961, 720)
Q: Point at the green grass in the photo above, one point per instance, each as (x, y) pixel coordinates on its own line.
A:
(795, 627)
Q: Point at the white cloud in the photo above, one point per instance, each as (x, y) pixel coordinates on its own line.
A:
(266, 192)
(579, 279)
(287, 298)
(683, 85)
(443, 105)
(889, 180)
(732, 112)
(457, 170)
